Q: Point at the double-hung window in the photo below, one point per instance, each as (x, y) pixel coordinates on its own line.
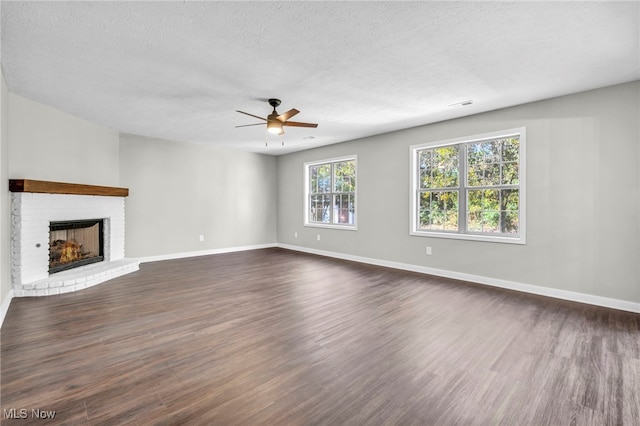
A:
(470, 188)
(330, 195)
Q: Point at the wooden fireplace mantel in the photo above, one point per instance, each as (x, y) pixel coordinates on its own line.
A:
(45, 187)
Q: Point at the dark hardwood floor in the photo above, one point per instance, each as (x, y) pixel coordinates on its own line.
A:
(284, 338)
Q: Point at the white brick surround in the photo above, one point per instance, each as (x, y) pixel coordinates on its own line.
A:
(30, 217)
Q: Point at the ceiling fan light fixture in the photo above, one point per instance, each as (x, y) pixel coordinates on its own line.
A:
(274, 127)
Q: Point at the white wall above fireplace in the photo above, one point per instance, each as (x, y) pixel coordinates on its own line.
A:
(31, 215)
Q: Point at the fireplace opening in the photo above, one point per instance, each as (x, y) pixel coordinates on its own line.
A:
(75, 243)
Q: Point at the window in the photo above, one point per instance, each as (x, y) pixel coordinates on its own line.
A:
(470, 188)
(330, 196)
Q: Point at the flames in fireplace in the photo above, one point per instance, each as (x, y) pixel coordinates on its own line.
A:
(67, 251)
(75, 243)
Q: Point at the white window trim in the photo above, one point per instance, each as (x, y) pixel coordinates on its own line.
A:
(306, 166)
(413, 158)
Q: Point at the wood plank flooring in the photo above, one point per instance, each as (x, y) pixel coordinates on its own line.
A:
(284, 338)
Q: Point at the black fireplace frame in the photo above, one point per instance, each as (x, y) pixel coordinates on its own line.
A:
(79, 224)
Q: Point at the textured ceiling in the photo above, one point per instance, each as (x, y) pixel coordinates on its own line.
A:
(179, 70)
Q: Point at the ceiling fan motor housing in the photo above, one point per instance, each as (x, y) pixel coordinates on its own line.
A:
(274, 102)
(274, 115)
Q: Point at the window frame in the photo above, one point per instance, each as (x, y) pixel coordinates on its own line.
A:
(463, 188)
(307, 193)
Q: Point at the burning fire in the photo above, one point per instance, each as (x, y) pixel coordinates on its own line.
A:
(70, 251)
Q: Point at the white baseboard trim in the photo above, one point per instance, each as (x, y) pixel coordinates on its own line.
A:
(204, 252)
(5, 306)
(622, 305)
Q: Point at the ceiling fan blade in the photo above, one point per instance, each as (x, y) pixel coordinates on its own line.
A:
(287, 115)
(247, 125)
(251, 115)
(297, 124)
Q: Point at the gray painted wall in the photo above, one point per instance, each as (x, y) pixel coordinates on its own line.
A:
(5, 204)
(48, 144)
(179, 191)
(226, 195)
(583, 207)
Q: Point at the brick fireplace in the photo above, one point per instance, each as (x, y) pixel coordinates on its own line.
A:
(37, 211)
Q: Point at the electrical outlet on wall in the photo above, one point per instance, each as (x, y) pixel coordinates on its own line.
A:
(429, 250)
(201, 237)
(318, 237)
(295, 234)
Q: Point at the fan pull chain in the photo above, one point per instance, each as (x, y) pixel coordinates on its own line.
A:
(266, 143)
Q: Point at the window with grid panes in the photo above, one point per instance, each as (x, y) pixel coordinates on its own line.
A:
(471, 188)
(331, 193)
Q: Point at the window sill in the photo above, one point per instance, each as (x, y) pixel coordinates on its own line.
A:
(471, 237)
(332, 226)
